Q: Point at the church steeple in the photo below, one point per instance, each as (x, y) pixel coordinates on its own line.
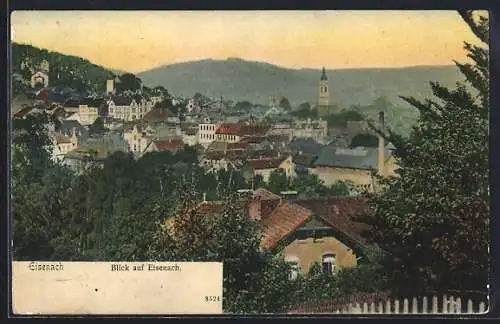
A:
(323, 75)
(323, 93)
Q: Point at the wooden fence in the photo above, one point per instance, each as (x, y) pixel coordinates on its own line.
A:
(424, 305)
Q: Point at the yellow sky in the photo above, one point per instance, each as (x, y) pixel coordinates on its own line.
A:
(135, 41)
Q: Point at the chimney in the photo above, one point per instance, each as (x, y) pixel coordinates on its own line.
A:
(381, 146)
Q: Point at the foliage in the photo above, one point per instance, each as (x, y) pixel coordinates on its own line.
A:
(305, 112)
(433, 218)
(65, 70)
(365, 140)
(128, 81)
(285, 104)
(341, 118)
(97, 127)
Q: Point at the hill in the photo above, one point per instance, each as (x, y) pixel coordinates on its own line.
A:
(65, 70)
(257, 82)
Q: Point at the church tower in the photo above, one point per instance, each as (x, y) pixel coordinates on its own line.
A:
(323, 95)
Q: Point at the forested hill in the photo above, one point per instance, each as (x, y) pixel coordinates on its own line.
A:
(65, 70)
(238, 80)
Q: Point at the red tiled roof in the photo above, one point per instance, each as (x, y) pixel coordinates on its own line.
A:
(170, 144)
(340, 213)
(284, 220)
(228, 129)
(261, 164)
(263, 194)
(253, 130)
(253, 139)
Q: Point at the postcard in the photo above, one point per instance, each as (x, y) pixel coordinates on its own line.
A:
(250, 162)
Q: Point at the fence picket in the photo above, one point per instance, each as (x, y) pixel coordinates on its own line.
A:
(380, 308)
(445, 304)
(459, 305)
(470, 307)
(424, 305)
(372, 308)
(405, 306)
(482, 307)
(434, 305)
(388, 306)
(396, 306)
(365, 308)
(414, 306)
(452, 305)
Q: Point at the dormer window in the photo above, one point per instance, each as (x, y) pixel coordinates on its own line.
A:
(328, 264)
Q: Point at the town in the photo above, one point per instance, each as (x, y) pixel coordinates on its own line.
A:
(304, 203)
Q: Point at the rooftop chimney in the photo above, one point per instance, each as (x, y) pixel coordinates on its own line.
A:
(381, 146)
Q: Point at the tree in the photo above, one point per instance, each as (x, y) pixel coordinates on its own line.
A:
(433, 218)
(278, 181)
(285, 104)
(365, 140)
(128, 81)
(305, 106)
(97, 127)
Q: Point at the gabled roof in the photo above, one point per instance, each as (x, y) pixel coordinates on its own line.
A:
(263, 194)
(228, 129)
(253, 130)
(263, 164)
(283, 221)
(364, 158)
(169, 144)
(340, 213)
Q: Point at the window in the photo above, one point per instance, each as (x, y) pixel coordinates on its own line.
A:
(328, 263)
(293, 262)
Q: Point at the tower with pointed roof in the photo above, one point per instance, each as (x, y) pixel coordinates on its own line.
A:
(323, 90)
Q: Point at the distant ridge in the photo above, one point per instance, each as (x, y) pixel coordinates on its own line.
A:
(238, 79)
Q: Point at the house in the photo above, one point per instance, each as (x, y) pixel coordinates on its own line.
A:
(85, 111)
(307, 231)
(206, 131)
(129, 108)
(94, 151)
(315, 129)
(354, 166)
(228, 132)
(63, 144)
(39, 78)
(172, 145)
(68, 127)
(264, 167)
(157, 115)
(323, 231)
(137, 136)
(190, 136)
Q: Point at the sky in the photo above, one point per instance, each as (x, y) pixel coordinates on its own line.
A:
(136, 41)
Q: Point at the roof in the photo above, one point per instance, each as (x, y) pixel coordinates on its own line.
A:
(169, 144)
(261, 164)
(323, 75)
(339, 213)
(305, 159)
(62, 139)
(224, 146)
(365, 158)
(308, 145)
(228, 129)
(283, 221)
(263, 194)
(122, 100)
(253, 130)
(191, 131)
(23, 112)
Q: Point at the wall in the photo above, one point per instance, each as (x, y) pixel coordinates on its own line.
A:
(331, 175)
(309, 251)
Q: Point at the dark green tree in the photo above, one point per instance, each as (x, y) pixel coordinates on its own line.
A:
(285, 104)
(128, 81)
(433, 218)
(365, 140)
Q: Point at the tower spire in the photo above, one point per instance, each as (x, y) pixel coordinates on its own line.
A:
(323, 74)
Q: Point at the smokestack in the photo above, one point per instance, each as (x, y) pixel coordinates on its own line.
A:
(381, 146)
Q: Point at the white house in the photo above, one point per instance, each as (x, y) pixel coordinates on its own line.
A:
(129, 108)
(206, 132)
(138, 138)
(62, 144)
